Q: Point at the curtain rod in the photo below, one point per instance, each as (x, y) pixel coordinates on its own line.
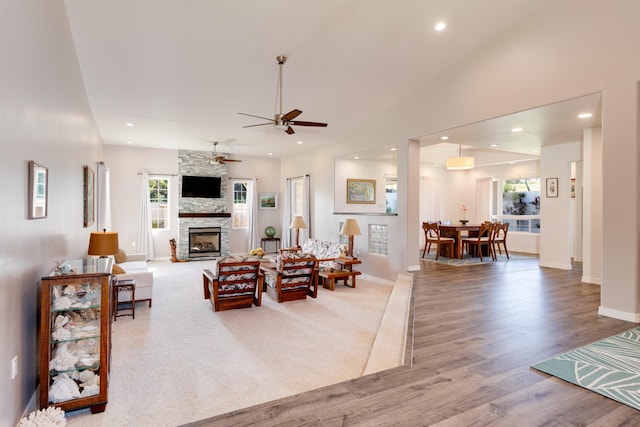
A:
(245, 179)
(159, 174)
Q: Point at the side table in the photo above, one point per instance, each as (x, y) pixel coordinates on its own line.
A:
(122, 286)
(347, 264)
(265, 240)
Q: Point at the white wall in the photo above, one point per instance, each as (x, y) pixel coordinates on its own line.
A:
(547, 58)
(44, 116)
(125, 164)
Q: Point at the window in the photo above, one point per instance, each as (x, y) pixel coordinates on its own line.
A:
(518, 203)
(240, 215)
(159, 202)
(391, 194)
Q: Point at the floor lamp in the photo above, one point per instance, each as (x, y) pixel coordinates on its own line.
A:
(350, 228)
(297, 224)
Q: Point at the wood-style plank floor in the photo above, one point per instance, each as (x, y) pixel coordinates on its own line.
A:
(476, 331)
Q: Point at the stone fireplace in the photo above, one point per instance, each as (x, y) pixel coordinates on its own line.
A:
(198, 213)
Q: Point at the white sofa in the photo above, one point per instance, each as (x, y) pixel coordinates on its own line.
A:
(135, 267)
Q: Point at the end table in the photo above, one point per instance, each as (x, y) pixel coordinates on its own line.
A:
(122, 286)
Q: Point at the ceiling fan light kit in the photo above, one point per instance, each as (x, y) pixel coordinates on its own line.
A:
(283, 122)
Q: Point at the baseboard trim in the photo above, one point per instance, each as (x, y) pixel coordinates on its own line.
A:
(592, 280)
(618, 314)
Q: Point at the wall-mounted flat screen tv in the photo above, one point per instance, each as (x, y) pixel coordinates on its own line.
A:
(201, 186)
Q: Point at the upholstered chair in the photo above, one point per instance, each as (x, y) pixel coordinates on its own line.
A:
(236, 283)
(294, 277)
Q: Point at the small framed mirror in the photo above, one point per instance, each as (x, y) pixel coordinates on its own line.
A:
(38, 190)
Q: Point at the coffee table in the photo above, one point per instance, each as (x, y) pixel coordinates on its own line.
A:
(329, 278)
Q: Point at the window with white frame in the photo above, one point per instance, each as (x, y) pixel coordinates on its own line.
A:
(517, 202)
(240, 210)
(159, 208)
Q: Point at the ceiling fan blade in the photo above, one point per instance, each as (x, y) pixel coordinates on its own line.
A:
(291, 115)
(290, 130)
(258, 117)
(232, 160)
(261, 124)
(316, 124)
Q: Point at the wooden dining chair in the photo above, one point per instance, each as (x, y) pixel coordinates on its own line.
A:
(483, 239)
(500, 237)
(432, 235)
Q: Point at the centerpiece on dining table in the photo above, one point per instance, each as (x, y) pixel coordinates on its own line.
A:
(464, 219)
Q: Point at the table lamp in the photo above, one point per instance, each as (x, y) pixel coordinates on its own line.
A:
(103, 243)
(297, 224)
(350, 228)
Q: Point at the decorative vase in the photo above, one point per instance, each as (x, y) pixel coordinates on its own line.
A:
(270, 231)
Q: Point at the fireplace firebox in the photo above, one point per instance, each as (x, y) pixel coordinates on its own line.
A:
(204, 242)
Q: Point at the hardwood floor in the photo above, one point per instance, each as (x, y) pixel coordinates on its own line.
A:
(476, 331)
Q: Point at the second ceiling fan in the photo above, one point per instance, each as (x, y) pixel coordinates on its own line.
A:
(284, 121)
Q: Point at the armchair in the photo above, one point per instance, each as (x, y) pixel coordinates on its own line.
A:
(236, 283)
(295, 277)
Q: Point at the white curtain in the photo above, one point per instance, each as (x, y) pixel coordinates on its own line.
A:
(483, 200)
(430, 206)
(286, 215)
(103, 198)
(252, 207)
(306, 209)
(145, 237)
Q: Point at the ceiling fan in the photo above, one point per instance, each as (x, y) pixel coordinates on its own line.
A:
(220, 158)
(284, 121)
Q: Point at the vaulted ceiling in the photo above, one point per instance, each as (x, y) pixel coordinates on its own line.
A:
(180, 71)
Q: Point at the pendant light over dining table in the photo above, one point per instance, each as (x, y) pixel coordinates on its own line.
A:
(460, 163)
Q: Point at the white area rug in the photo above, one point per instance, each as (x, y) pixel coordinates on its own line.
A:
(180, 361)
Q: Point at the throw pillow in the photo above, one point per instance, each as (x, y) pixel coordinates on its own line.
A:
(121, 256)
(116, 269)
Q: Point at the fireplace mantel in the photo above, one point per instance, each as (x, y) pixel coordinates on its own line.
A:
(204, 215)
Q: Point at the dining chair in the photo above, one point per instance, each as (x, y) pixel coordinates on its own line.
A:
(484, 238)
(432, 235)
(500, 237)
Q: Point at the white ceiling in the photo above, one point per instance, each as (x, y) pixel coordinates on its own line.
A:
(182, 70)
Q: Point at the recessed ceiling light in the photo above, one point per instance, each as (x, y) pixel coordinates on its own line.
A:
(493, 145)
(517, 129)
(534, 151)
(299, 142)
(584, 115)
(269, 154)
(357, 157)
(394, 149)
(444, 137)
(129, 142)
(129, 125)
(440, 26)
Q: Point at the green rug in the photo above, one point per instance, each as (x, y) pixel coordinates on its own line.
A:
(469, 260)
(610, 367)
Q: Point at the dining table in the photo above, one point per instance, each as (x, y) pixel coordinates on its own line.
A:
(455, 231)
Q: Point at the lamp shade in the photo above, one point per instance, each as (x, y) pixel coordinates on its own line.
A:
(460, 163)
(103, 243)
(297, 223)
(350, 228)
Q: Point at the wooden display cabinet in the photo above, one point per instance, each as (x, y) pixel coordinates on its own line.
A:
(75, 335)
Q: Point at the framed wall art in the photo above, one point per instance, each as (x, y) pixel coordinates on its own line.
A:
(38, 190)
(89, 196)
(361, 190)
(552, 187)
(268, 200)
